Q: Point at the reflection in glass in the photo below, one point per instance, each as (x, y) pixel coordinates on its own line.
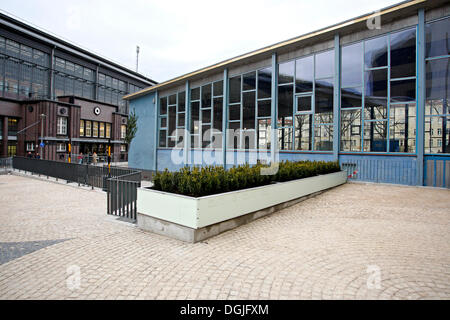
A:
(403, 54)
(172, 120)
(181, 101)
(234, 112)
(181, 119)
(195, 94)
(206, 136)
(375, 52)
(402, 127)
(265, 83)
(264, 108)
(173, 99)
(438, 79)
(324, 99)
(285, 105)
(218, 113)
(351, 130)
(403, 90)
(249, 81)
(286, 72)
(375, 104)
(304, 103)
(195, 106)
(323, 137)
(436, 107)
(351, 98)
(162, 138)
(264, 128)
(352, 65)
(163, 106)
(235, 89)
(206, 96)
(375, 136)
(304, 74)
(218, 88)
(206, 116)
(437, 134)
(233, 136)
(437, 40)
(285, 138)
(303, 134)
(325, 64)
(248, 110)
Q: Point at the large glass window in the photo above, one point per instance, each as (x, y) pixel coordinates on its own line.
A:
(437, 111)
(305, 117)
(378, 99)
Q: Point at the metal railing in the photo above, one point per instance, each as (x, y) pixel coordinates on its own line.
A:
(5, 164)
(83, 174)
(122, 195)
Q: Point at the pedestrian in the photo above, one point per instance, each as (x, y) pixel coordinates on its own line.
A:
(37, 155)
(29, 155)
(80, 158)
(94, 158)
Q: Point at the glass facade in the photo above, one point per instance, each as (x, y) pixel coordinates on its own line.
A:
(378, 94)
(378, 101)
(437, 69)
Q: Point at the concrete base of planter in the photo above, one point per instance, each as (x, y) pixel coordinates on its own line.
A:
(177, 231)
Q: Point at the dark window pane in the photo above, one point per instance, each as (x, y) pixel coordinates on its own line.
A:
(304, 103)
(303, 132)
(351, 130)
(206, 116)
(264, 129)
(325, 64)
(304, 74)
(235, 89)
(234, 112)
(206, 96)
(375, 52)
(181, 119)
(352, 65)
(195, 94)
(351, 98)
(218, 114)
(323, 138)
(173, 99)
(162, 138)
(285, 105)
(163, 105)
(437, 40)
(195, 106)
(249, 81)
(265, 83)
(285, 138)
(206, 136)
(248, 110)
(403, 54)
(438, 79)
(182, 101)
(376, 92)
(171, 142)
(264, 108)
(324, 100)
(437, 134)
(402, 127)
(375, 136)
(218, 88)
(163, 123)
(233, 139)
(172, 120)
(404, 90)
(286, 72)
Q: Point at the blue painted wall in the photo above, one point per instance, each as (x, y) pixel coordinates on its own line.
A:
(141, 152)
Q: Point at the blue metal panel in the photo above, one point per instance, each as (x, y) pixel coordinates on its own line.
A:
(141, 153)
(386, 169)
(420, 137)
(437, 171)
(273, 106)
(172, 159)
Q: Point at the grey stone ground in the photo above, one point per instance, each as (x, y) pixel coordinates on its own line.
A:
(336, 245)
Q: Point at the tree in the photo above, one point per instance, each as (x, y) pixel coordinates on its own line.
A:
(131, 127)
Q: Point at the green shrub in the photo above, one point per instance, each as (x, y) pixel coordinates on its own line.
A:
(198, 182)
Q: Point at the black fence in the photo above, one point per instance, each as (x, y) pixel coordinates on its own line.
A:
(122, 196)
(5, 164)
(83, 174)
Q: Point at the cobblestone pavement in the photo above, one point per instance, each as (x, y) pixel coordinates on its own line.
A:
(333, 246)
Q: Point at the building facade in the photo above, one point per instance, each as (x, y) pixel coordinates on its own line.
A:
(54, 92)
(371, 93)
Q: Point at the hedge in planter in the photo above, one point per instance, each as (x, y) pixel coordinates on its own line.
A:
(198, 182)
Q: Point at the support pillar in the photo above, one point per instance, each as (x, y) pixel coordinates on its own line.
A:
(336, 99)
(420, 96)
(5, 137)
(187, 124)
(273, 107)
(225, 117)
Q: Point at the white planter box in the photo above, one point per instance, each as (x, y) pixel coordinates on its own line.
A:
(191, 214)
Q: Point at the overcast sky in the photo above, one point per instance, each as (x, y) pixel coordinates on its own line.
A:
(177, 37)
